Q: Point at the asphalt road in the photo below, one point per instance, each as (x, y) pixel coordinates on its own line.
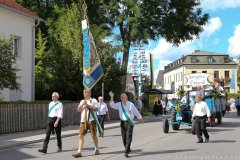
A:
(149, 142)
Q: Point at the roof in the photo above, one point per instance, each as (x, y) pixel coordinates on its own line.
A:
(206, 53)
(159, 91)
(199, 57)
(14, 6)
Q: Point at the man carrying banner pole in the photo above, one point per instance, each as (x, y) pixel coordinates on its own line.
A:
(88, 108)
(92, 72)
(127, 111)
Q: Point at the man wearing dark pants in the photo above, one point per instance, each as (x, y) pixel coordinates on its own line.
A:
(127, 111)
(55, 114)
(237, 104)
(200, 114)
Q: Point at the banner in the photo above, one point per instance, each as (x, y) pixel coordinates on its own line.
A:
(92, 68)
(196, 79)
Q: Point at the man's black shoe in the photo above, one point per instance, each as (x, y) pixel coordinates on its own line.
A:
(59, 150)
(126, 155)
(42, 150)
(207, 140)
(200, 141)
(77, 155)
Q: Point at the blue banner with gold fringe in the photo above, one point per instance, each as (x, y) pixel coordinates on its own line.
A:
(92, 68)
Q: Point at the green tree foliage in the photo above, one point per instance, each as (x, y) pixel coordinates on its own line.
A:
(141, 20)
(42, 68)
(8, 68)
(59, 55)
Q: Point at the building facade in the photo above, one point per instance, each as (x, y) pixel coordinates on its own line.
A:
(160, 80)
(19, 23)
(220, 67)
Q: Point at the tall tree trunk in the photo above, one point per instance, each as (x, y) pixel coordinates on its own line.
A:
(126, 39)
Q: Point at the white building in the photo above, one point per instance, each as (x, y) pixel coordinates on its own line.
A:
(19, 22)
(220, 67)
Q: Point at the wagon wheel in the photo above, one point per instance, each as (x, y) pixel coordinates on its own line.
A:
(173, 119)
(165, 126)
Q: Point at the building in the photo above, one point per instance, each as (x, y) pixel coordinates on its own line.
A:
(220, 67)
(20, 23)
(160, 80)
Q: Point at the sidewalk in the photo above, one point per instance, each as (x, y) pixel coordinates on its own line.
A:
(28, 137)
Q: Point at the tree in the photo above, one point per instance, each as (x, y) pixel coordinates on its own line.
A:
(59, 56)
(8, 68)
(141, 20)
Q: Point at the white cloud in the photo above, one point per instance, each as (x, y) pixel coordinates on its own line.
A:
(213, 25)
(220, 4)
(165, 53)
(234, 43)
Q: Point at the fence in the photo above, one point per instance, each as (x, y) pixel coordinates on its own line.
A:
(26, 117)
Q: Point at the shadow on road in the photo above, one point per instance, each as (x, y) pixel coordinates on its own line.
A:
(212, 130)
(116, 135)
(8, 155)
(138, 154)
(230, 124)
(222, 141)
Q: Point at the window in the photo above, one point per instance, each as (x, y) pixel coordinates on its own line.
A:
(194, 59)
(226, 60)
(194, 71)
(17, 46)
(216, 74)
(210, 60)
(204, 71)
(226, 74)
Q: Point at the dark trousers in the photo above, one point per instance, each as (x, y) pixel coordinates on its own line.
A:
(127, 131)
(50, 128)
(238, 110)
(201, 127)
(101, 119)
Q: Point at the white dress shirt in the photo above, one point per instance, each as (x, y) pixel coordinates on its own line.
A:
(201, 109)
(102, 108)
(91, 102)
(57, 111)
(130, 109)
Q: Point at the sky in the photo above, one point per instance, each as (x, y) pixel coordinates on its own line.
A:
(221, 35)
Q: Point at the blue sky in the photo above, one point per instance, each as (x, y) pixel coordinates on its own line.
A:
(221, 35)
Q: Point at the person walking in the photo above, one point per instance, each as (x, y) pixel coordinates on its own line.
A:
(88, 108)
(55, 114)
(157, 109)
(237, 104)
(101, 114)
(165, 105)
(127, 111)
(200, 114)
(138, 104)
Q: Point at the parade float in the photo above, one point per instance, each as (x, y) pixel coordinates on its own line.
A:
(181, 111)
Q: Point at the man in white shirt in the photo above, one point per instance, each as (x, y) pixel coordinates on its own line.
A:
(127, 111)
(200, 113)
(88, 108)
(101, 113)
(55, 114)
